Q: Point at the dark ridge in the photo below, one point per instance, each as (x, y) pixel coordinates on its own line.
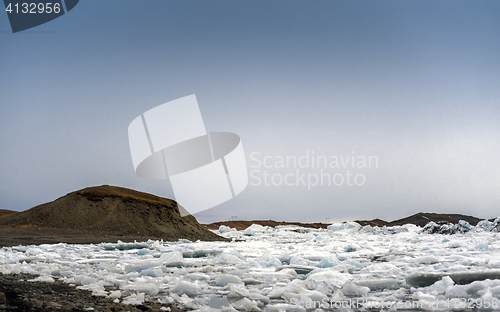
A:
(374, 222)
(5, 212)
(420, 219)
(102, 213)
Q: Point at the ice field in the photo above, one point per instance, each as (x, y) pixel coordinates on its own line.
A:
(288, 268)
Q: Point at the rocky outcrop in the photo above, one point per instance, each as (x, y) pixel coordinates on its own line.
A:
(111, 210)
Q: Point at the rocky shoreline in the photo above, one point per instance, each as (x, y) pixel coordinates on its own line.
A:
(18, 294)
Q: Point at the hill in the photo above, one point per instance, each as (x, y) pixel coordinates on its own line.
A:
(5, 212)
(103, 213)
(422, 218)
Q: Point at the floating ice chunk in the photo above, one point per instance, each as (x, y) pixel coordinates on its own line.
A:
(291, 297)
(439, 287)
(299, 269)
(422, 279)
(475, 288)
(204, 269)
(134, 299)
(224, 228)
(350, 288)
(455, 244)
(254, 229)
(284, 257)
(327, 277)
(271, 262)
(350, 248)
(143, 284)
(142, 265)
(338, 295)
(152, 272)
(217, 302)
(258, 296)
(484, 224)
(296, 260)
(379, 284)
(190, 289)
(251, 281)
(143, 252)
(84, 280)
(228, 259)
(196, 277)
(495, 291)
(246, 304)
(185, 301)
(115, 294)
(42, 278)
(482, 246)
(286, 271)
(343, 226)
(238, 291)
(172, 259)
(108, 246)
(334, 227)
(494, 264)
(223, 280)
(291, 287)
(127, 246)
(314, 295)
(448, 228)
(426, 260)
(228, 309)
(465, 225)
(354, 263)
(494, 226)
(328, 262)
(97, 289)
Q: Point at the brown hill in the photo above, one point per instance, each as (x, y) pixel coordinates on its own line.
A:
(106, 212)
(422, 218)
(5, 212)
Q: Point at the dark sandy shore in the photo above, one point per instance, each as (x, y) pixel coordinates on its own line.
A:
(16, 294)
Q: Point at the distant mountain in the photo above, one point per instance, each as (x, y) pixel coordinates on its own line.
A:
(420, 219)
(108, 211)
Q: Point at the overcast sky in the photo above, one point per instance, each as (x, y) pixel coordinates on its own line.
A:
(414, 83)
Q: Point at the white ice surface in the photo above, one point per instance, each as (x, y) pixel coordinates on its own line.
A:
(282, 269)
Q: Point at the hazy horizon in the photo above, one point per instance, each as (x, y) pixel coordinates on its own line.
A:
(412, 83)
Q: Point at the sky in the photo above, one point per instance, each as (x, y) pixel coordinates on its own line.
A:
(412, 84)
